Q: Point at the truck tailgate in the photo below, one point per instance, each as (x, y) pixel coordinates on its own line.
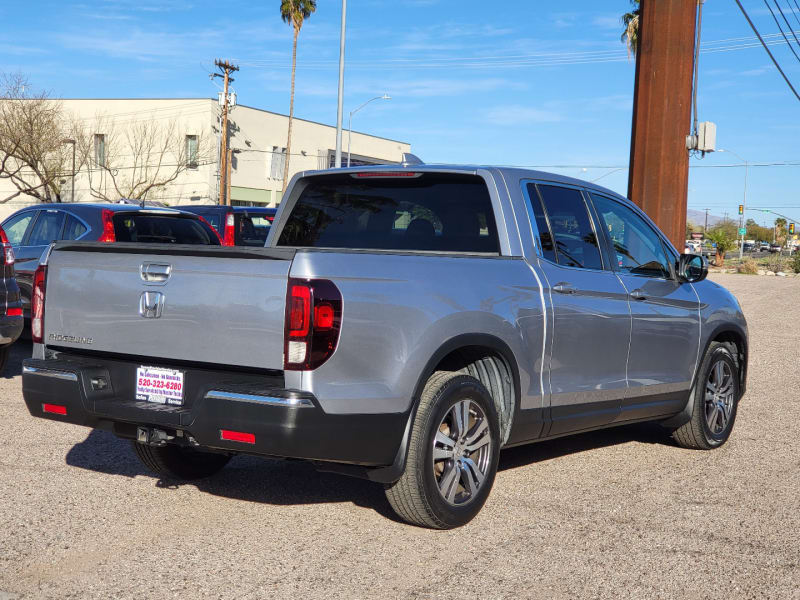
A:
(205, 304)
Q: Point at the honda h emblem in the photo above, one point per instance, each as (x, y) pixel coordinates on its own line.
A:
(151, 304)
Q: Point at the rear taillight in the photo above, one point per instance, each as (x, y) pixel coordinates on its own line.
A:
(37, 304)
(108, 226)
(313, 321)
(227, 238)
(216, 233)
(8, 251)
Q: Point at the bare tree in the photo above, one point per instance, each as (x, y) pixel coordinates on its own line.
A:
(140, 159)
(35, 141)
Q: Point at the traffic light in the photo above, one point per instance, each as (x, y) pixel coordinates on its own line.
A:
(791, 228)
(741, 209)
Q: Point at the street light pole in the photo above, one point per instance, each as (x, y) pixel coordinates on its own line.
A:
(350, 121)
(338, 162)
(744, 202)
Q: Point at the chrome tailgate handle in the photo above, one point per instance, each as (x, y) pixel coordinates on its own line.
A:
(155, 272)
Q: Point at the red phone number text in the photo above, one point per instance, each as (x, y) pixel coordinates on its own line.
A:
(160, 385)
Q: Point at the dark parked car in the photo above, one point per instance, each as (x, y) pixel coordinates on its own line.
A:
(31, 230)
(11, 315)
(236, 225)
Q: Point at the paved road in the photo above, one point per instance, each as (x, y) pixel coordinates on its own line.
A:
(619, 514)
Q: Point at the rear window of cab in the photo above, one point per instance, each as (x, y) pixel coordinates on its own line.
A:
(439, 212)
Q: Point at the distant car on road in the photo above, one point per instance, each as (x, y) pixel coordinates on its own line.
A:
(31, 230)
(773, 248)
(236, 225)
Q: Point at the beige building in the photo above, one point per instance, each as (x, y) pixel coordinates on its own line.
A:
(114, 130)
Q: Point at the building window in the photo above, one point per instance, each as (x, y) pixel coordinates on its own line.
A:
(100, 149)
(191, 151)
(278, 163)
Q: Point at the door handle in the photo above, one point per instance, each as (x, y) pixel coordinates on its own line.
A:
(638, 295)
(563, 288)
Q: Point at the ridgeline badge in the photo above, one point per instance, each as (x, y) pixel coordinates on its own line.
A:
(72, 339)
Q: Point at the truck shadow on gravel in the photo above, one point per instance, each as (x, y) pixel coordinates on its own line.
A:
(292, 482)
(20, 350)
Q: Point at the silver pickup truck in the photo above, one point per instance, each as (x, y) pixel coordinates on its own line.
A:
(402, 324)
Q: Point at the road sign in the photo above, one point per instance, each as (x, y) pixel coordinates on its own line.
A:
(742, 231)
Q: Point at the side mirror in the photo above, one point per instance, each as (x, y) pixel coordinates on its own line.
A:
(692, 268)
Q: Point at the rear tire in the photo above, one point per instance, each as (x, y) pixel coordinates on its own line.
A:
(452, 456)
(4, 352)
(180, 462)
(716, 400)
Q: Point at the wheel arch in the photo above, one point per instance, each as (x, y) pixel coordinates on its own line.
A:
(469, 346)
(724, 332)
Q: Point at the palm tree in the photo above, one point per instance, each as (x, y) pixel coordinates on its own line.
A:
(780, 229)
(630, 35)
(295, 13)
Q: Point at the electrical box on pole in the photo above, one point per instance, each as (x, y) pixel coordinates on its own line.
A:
(706, 138)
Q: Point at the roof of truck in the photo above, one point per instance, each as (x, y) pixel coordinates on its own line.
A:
(515, 173)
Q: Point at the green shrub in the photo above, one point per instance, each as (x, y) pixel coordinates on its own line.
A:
(796, 263)
(748, 267)
(776, 263)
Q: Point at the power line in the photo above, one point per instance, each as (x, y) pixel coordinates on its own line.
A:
(787, 22)
(763, 43)
(781, 28)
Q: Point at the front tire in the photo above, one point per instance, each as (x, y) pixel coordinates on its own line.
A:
(716, 400)
(180, 462)
(452, 456)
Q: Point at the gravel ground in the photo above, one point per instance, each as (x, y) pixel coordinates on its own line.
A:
(616, 514)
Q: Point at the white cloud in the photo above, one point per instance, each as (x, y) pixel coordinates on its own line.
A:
(516, 114)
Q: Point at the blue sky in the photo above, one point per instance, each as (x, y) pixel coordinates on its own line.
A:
(542, 84)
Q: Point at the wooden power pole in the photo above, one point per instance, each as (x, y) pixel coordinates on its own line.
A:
(658, 180)
(226, 69)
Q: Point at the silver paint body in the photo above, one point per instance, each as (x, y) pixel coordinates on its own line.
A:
(595, 348)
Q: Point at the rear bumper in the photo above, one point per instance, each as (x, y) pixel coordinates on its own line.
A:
(282, 423)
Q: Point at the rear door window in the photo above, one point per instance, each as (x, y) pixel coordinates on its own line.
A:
(162, 229)
(73, 229)
(16, 227)
(47, 228)
(566, 230)
(424, 211)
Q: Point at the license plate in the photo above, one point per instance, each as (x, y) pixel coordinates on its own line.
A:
(164, 386)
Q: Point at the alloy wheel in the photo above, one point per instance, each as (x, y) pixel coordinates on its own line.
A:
(462, 449)
(719, 397)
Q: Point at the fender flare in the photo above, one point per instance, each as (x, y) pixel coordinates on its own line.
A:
(393, 472)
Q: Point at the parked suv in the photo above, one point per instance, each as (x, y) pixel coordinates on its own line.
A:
(31, 230)
(11, 315)
(402, 324)
(236, 225)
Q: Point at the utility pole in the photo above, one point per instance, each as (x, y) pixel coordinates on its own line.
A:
(658, 180)
(228, 161)
(705, 227)
(226, 69)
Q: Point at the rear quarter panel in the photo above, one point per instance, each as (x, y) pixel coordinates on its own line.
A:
(399, 309)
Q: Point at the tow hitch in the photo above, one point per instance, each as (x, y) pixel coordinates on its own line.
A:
(152, 436)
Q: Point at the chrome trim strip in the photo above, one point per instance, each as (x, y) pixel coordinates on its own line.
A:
(65, 375)
(293, 402)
